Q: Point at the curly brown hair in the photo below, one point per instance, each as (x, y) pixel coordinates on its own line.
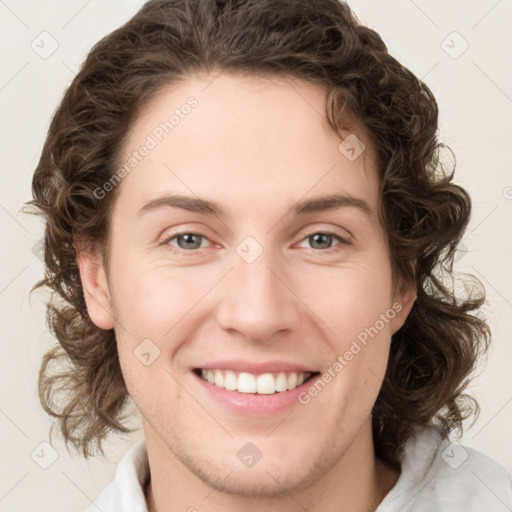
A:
(434, 354)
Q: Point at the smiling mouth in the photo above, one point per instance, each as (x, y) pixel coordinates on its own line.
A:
(262, 384)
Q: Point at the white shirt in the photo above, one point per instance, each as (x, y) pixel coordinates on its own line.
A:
(436, 476)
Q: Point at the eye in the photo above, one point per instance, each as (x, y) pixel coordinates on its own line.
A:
(187, 241)
(320, 241)
(323, 241)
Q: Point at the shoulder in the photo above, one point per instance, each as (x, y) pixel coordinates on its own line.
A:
(444, 475)
(126, 491)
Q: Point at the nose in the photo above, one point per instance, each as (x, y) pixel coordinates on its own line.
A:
(258, 300)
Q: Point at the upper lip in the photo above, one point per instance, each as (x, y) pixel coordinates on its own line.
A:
(240, 365)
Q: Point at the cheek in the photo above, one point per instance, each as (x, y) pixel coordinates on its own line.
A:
(349, 300)
(149, 303)
(150, 311)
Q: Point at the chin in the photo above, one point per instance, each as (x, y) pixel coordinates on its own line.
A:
(262, 484)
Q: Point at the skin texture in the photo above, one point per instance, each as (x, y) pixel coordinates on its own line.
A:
(256, 147)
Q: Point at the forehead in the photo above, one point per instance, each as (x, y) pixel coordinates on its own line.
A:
(237, 138)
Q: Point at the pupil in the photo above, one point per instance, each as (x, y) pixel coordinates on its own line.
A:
(316, 242)
(189, 239)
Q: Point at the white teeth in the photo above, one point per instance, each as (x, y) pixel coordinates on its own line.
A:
(264, 384)
(246, 383)
(292, 381)
(281, 382)
(219, 379)
(230, 381)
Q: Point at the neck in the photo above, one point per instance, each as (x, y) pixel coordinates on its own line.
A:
(357, 483)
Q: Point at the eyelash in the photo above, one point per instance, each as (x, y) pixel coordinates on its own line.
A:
(192, 252)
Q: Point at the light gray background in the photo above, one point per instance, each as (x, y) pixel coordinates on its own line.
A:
(474, 92)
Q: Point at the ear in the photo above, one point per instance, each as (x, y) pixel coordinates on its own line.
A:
(95, 287)
(403, 301)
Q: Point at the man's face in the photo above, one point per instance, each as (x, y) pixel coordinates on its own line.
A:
(258, 284)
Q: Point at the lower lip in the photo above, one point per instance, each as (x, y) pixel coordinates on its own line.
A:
(254, 403)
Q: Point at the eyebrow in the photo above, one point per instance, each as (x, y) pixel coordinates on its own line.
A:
(331, 202)
(208, 207)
